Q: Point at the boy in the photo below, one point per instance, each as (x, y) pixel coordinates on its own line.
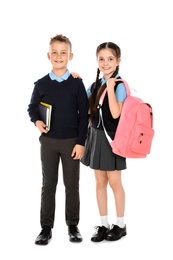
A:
(65, 140)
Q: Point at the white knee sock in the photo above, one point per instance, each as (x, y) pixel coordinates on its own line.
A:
(120, 222)
(104, 221)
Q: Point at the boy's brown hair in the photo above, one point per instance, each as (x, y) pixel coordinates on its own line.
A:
(61, 38)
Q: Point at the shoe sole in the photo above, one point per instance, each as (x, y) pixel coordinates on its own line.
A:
(97, 241)
(42, 243)
(115, 239)
(75, 241)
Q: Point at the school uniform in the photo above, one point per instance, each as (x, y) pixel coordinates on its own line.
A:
(98, 152)
(69, 122)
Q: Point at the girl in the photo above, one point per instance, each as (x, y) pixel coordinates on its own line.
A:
(98, 154)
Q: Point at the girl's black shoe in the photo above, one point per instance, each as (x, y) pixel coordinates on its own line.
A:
(115, 233)
(100, 233)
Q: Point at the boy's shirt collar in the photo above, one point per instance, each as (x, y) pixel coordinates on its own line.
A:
(59, 79)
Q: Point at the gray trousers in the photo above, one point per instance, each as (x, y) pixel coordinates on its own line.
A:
(52, 151)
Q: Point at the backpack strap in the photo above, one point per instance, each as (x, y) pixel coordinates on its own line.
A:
(101, 116)
(104, 92)
(101, 102)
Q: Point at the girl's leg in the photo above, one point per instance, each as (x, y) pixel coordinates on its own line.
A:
(101, 191)
(118, 191)
(101, 195)
(119, 229)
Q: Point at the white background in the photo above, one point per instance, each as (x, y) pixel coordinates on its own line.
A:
(143, 30)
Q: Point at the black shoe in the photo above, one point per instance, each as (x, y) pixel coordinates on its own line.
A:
(115, 233)
(100, 233)
(44, 236)
(74, 234)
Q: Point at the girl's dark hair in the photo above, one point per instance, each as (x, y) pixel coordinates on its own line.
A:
(96, 94)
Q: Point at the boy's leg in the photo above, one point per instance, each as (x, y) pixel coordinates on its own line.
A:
(50, 163)
(71, 182)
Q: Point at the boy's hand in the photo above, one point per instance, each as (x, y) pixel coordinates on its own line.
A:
(78, 152)
(75, 75)
(41, 126)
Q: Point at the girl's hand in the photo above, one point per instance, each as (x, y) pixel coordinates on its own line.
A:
(111, 84)
(41, 126)
(114, 106)
(75, 75)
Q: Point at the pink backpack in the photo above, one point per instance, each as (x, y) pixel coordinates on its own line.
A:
(134, 134)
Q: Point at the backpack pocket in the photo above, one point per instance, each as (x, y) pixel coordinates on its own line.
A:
(142, 141)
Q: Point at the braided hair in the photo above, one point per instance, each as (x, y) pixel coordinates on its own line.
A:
(96, 93)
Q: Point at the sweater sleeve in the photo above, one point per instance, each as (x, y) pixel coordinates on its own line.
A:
(33, 106)
(83, 114)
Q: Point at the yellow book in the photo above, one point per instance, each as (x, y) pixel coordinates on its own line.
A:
(45, 111)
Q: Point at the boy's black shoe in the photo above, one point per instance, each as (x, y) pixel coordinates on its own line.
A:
(115, 233)
(100, 233)
(74, 234)
(44, 236)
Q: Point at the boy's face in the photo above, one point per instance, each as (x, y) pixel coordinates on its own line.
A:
(59, 54)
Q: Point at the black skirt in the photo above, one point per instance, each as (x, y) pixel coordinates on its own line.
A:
(98, 153)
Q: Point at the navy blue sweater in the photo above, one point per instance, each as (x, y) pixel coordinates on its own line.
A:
(69, 107)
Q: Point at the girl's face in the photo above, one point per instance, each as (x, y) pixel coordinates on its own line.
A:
(59, 54)
(107, 62)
